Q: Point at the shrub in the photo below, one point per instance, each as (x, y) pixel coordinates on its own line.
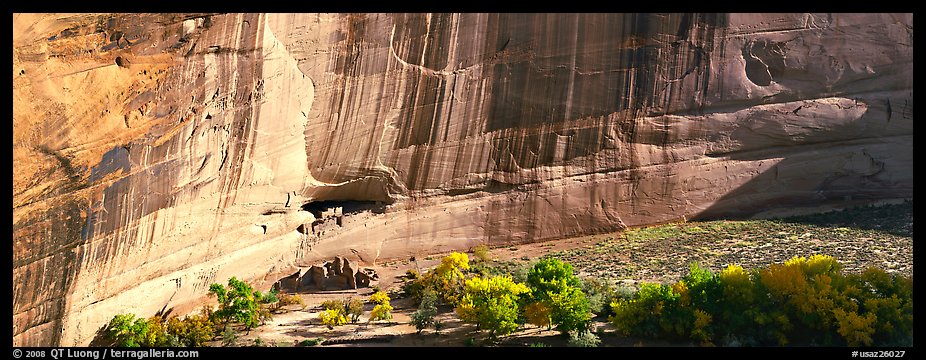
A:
(193, 330)
(381, 312)
(583, 338)
(890, 299)
(481, 252)
(287, 299)
(264, 315)
(126, 330)
(333, 304)
(379, 297)
(804, 301)
(411, 274)
(312, 342)
(415, 288)
(157, 334)
(270, 297)
(354, 308)
(645, 312)
(229, 337)
(599, 295)
(333, 317)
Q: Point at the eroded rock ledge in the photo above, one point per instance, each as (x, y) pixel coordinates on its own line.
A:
(155, 154)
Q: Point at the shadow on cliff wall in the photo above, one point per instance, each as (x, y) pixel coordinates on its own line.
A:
(860, 178)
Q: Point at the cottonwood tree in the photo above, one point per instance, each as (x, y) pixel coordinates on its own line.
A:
(554, 284)
(492, 304)
(237, 302)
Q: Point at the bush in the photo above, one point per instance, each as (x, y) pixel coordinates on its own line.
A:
(333, 317)
(287, 299)
(414, 288)
(264, 315)
(229, 337)
(599, 295)
(538, 313)
(333, 304)
(583, 338)
(379, 297)
(644, 314)
(354, 308)
(157, 334)
(411, 274)
(381, 312)
(270, 297)
(804, 301)
(481, 252)
(312, 342)
(193, 330)
(125, 330)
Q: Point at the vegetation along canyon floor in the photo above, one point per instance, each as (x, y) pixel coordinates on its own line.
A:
(880, 236)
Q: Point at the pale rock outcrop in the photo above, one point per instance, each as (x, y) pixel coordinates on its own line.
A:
(154, 154)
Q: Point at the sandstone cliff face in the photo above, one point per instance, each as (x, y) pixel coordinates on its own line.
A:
(156, 154)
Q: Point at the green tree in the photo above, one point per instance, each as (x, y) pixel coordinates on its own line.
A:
(492, 304)
(124, 330)
(237, 302)
(423, 318)
(553, 283)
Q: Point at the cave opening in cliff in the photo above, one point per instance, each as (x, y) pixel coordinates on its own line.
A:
(324, 208)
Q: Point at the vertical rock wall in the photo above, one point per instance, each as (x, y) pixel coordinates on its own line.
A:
(156, 154)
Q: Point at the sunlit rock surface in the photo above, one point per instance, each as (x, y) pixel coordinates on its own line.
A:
(156, 154)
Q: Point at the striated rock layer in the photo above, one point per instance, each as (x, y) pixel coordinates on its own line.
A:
(155, 154)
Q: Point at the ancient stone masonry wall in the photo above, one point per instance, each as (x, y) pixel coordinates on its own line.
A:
(155, 154)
